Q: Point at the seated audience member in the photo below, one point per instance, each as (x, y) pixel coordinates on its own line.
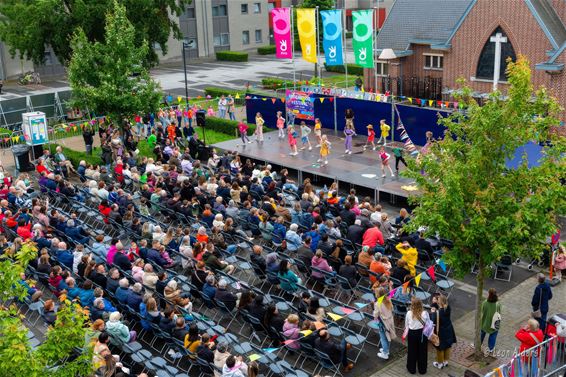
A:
(336, 352)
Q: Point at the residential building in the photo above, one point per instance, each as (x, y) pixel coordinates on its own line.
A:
(439, 41)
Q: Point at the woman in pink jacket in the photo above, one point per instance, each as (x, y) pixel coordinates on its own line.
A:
(319, 262)
(291, 331)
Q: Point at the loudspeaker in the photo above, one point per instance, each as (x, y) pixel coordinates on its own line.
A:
(204, 153)
(201, 118)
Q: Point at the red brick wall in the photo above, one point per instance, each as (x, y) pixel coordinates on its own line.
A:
(560, 8)
(522, 31)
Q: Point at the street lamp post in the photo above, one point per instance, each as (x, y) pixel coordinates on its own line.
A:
(185, 45)
(388, 54)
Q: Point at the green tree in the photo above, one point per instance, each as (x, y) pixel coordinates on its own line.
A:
(29, 27)
(468, 194)
(55, 357)
(109, 77)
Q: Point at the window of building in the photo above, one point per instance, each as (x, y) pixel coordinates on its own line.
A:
(190, 12)
(244, 8)
(257, 7)
(219, 11)
(258, 37)
(222, 40)
(382, 68)
(433, 61)
(246, 37)
(485, 68)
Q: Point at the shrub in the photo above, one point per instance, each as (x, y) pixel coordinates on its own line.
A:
(266, 50)
(232, 56)
(77, 156)
(217, 92)
(353, 69)
(225, 126)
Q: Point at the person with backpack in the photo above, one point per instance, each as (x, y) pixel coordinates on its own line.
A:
(541, 296)
(490, 319)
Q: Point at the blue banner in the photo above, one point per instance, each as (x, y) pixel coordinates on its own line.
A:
(332, 33)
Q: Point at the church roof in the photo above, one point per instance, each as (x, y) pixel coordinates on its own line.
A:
(548, 20)
(422, 22)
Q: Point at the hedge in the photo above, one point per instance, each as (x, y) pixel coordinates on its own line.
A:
(232, 56)
(266, 50)
(77, 156)
(217, 92)
(226, 126)
(353, 69)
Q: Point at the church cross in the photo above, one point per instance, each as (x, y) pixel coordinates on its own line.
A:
(498, 39)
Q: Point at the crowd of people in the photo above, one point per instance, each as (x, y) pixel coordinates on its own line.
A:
(294, 236)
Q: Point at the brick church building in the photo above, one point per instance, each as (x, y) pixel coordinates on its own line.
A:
(438, 41)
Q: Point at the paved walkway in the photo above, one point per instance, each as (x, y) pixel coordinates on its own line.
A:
(515, 312)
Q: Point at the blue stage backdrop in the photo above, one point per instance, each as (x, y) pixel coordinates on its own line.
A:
(267, 108)
(415, 119)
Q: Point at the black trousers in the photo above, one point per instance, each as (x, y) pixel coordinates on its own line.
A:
(397, 159)
(417, 351)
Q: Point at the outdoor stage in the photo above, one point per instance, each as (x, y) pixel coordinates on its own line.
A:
(359, 169)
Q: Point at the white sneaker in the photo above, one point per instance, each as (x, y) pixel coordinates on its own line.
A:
(302, 148)
(310, 148)
(349, 152)
(374, 148)
(382, 355)
(325, 162)
(383, 176)
(317, 146)
(445, 364)
(437, 365)
(381, 350)
(319, 160)
(249, 142)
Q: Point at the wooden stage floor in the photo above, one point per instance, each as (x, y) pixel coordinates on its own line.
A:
(361, 168)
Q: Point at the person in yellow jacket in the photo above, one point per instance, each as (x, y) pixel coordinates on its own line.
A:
(410, 255)
(385, 128)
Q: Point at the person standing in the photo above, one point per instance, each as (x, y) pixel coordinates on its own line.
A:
(349, 134)
(541, 296)
(243, 128)
(324, 150)
(384, 127)
(398, 153)
(445, 331)
(259, 122)
(222, 107)
(559, 262)
(385, 157)
(417, 343)
(371, 137)
(305, 132)
(530, 336)
(383, 314)
(349, 115)
(292, 138)
(231, 107)
(489, 323)
(88, 136)
(280, 125)
(318, 131)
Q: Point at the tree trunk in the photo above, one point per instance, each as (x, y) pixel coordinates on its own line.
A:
(479, 300)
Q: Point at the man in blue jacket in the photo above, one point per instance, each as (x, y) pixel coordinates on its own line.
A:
(541, 296)
(64, 256)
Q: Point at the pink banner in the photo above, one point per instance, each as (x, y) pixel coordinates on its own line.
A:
(282, 33)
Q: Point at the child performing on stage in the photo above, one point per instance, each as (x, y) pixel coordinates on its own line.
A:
(348, 133)
(292, 138)
(371, 137)
(305, 132)
(280, 125)
(385, 157)
(318, 131)
(243, 128)
(324, 150)
(384, 132)
(259, 122)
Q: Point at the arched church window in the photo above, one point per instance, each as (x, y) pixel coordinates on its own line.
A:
(496, 44)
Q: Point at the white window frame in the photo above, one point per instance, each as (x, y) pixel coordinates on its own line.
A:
(438, 58)
(383, 64)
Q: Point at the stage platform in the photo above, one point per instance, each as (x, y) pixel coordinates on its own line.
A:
(359, 169)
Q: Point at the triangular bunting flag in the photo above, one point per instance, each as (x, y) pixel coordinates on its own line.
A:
(306, 332)
(414, 153)
(283, 99)
(254, 357)
(380, 300)
(264, 99)
(461, 105)
(430, 102)
(237, 96)
(248, 97)
(406, 285)
(417, 280)
(199, 97)
(392, 292)
(430, 272)
(439, 103)
(363, 91)
(446, 104)
(404, 137)
(347, 310)
(269, 350)
(321, 99)
(273, 100)
(289, 341)
(360, 305)
(442, 265)
(455, 105)
(331, 99)
(179, 98)
(335, 317)
(410, 100)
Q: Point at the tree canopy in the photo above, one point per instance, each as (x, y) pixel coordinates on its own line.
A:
(471, 197)
(109, 77)
(30, 27)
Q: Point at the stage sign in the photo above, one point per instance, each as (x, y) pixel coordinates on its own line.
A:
(34, 126)
(301, 104)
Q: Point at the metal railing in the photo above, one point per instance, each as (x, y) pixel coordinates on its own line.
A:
(547, 359)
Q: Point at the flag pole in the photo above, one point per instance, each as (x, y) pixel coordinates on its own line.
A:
(374, 49)
(293, 48)
(344, 50)
(318, 45)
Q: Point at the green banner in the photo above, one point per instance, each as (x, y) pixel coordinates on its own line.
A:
(363, 37)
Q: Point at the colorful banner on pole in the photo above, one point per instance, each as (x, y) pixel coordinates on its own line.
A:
(363, 37)
(332, 33)
(282, 33)
(306, 24)
(301, 104)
